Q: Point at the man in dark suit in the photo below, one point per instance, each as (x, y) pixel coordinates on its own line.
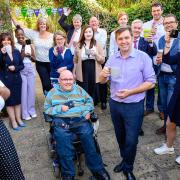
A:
(73, 30)
(147, 46)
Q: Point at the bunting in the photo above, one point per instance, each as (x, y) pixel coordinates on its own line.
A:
(26, 12)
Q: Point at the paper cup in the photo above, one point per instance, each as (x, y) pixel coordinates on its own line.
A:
(9, 51)
(115, 72)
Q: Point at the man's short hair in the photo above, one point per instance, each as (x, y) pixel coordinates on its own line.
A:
(77, 17)
(137, 21)
(171, 15)
(122, 29)
(157, 4)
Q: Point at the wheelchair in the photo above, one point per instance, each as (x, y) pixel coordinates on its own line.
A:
(76, 143)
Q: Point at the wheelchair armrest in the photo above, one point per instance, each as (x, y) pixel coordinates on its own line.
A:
(93, 117)
(47, 117)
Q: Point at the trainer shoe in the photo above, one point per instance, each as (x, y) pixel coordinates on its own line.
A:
(178, 159)
(34, 116)
(27, 119)
(164, 150)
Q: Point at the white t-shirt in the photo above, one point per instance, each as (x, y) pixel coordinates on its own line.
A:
(27, 50)
(84, 56)
(42, 46)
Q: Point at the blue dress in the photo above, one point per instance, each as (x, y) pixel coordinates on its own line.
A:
(59, 61)
(174, 104)
(12, 79)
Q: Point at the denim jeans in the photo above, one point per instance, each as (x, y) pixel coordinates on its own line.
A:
(65, 148)
(150, 100)
(166, 85)
(127, 120)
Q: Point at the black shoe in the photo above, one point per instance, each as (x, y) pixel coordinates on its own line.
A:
(101, 175)
(146, 113)
(129, 176)
(67, 178)
(103, 106)
(141, 133)
(118, 168)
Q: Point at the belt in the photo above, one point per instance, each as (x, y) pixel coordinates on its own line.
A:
(167, 73)
(64, 125)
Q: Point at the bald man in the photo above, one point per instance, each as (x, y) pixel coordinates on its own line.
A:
(100, 35)
(70, 105)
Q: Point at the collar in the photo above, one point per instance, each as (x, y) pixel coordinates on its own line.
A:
(131, 54)
(158, 23)
(137, 40)
(77, 30)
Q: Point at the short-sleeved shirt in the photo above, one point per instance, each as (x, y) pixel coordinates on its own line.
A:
(130, 73)
(42, 46)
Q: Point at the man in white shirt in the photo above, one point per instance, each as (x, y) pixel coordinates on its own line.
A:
(73, 30)
(122, 20)
(156, 28)
(100, 35)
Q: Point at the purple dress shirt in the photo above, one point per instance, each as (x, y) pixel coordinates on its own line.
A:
(130, 73)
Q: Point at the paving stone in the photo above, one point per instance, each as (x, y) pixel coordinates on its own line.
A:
(32, 147)
(40, 174)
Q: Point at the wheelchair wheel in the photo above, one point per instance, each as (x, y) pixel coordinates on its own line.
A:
(56, 172)
(56, 168)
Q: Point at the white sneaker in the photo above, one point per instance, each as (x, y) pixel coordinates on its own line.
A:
(27, 119)
(34, 116)
(164, 150)
(178, 159)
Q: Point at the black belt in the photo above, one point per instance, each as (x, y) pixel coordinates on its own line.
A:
(167, 73)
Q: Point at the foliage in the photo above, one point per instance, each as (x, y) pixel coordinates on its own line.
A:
(5, 24)
(106, 10)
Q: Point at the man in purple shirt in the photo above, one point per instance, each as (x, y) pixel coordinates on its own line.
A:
(131, 73)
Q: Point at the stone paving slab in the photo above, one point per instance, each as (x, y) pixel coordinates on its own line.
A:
(32, 147)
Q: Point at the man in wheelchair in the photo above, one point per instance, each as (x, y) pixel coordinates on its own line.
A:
(70, 107)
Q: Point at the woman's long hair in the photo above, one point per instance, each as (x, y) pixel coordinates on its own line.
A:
(82, 38)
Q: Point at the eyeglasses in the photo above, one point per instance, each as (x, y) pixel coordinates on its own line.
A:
(170, 22)
(66, 80)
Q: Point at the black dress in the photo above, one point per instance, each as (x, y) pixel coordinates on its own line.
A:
(12, 79)
(174, 104)
(10, 168)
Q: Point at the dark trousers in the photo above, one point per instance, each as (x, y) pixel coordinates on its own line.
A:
(65, 148)
(127, 120)
(103, 91)
(150, 99)
(89, 79)
(43, 69)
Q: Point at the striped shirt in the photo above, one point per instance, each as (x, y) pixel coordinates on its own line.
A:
(83, 103)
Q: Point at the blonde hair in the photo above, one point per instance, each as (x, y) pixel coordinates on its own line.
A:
(40, 20)
(60, 33)
(120, 14)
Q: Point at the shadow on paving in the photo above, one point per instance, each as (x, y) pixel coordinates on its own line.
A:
(32, 146)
